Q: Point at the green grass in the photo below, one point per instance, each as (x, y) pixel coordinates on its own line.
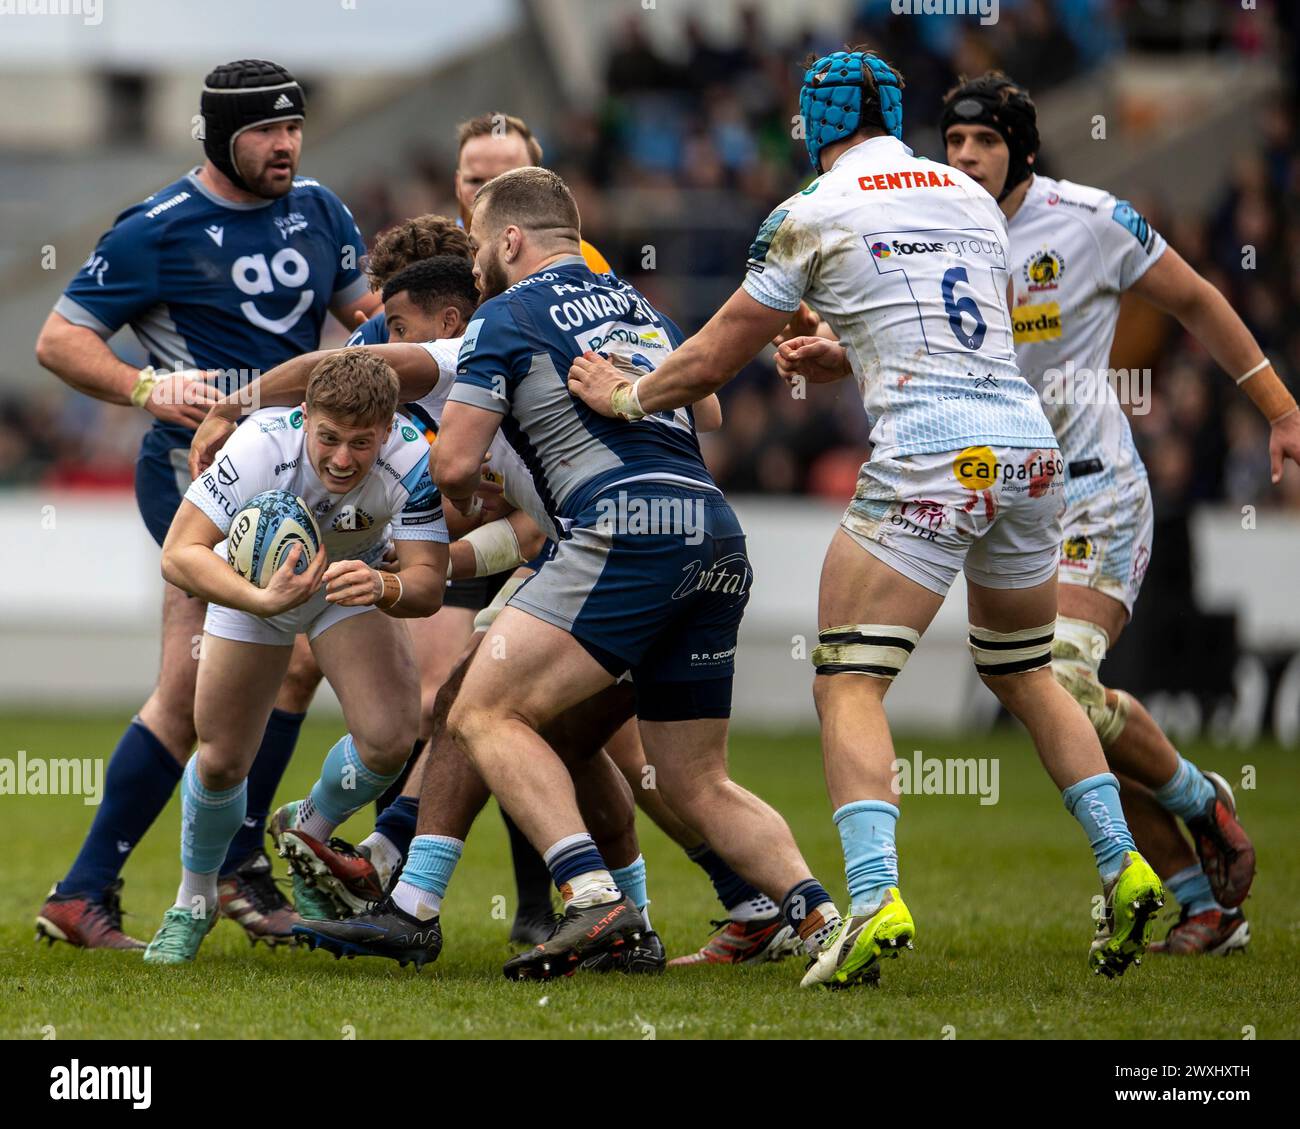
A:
(1001, 897)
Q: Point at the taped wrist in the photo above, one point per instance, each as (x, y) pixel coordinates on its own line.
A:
(877, 649)
(392, 590)
(625, 402)
(143, 387)
(1267, 392)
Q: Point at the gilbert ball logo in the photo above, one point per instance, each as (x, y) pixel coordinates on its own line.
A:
(880, 250)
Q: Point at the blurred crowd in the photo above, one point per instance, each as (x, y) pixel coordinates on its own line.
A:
(687, 151)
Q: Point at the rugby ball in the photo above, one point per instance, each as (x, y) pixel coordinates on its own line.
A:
(264, 532)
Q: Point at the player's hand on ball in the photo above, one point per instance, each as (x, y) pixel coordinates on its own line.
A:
(286, 591)
(353, 584)
(183, 397)
(208, 440)
(593, 380)
(815, 359)
(1284, 443)
(803, 323)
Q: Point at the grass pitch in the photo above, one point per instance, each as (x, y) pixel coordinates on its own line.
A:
(1001, 896)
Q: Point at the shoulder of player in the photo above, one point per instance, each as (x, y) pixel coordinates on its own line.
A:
(273, 425)
(403, 451)
(307, 190)
(1088, 205)
(150, 217)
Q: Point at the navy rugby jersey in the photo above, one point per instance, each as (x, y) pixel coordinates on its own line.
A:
(515, 360)
(209, 283)
(372, 331)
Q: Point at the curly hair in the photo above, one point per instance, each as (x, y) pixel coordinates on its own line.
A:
(412, 240)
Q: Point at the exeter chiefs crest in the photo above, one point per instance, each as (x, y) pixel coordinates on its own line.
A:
(1044, 270)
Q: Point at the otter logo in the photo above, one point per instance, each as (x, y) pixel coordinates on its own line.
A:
(729, 576)
(253, 275)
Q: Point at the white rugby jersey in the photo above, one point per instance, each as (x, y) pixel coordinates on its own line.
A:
(396, 500)
(513, 477)
(1074, 250)
(907, 260)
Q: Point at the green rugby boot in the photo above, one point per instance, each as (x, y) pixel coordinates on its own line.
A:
(179, 936)
(1133, 898)
(855, 949)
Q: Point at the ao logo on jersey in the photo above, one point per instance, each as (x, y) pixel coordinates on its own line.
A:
(255, 275)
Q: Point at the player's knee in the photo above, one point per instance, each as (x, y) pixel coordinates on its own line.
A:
(386, 749)
(1076, 655)
(874, 649)
(1012, 663)
(220, 768)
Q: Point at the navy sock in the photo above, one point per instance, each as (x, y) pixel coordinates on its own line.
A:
(141, 777)
(396, 823)
(395, 788)
(278, 743)
(730, 887)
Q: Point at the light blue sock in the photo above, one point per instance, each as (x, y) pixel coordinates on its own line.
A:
(346, 785)
(870, 856)
(1094, 802)
(631, 880)
(431, 862)
(209, 820)
(1186, 793)
(1192, 889)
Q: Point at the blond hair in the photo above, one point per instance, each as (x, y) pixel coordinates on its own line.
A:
(354, 386)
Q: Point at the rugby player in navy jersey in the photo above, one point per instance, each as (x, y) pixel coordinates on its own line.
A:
(486, 145)
(616, 596)
(232, 267)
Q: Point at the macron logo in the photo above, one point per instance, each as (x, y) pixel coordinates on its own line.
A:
(217, 234)
(284, 102)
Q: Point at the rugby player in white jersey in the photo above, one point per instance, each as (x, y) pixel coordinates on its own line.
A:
(425, 306)
(1075, 251)
(363, 473)
(907, 260)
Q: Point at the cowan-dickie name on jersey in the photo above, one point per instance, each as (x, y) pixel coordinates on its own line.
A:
(209, 283)
(907, 260)
(1074, 251)
(396, 500)
(515, 360)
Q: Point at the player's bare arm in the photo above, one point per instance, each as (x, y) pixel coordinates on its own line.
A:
(358, 311)
(189, 563)
(286, 385)
(816, 359)
(708, 413)
(495, 546)
(412, 592)
(463, 440)
(1173, 286)
(78, 356)
(702, 365)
